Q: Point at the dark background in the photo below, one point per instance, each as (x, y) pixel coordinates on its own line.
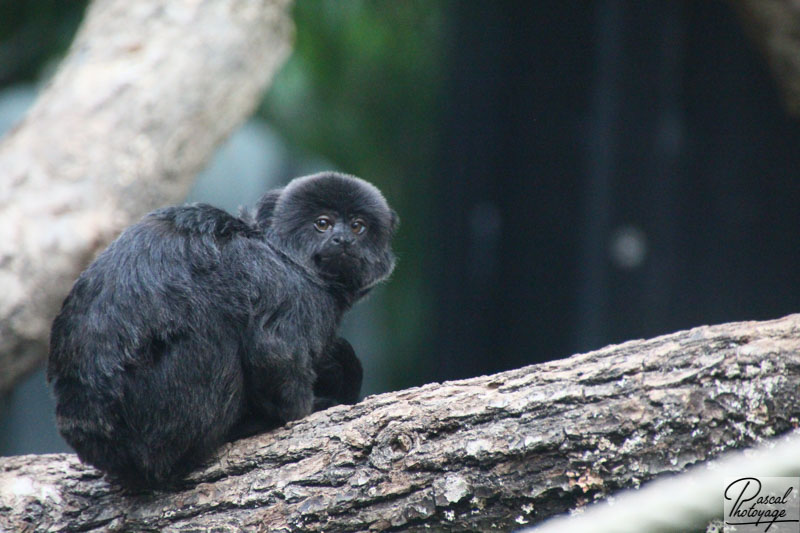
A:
(569, 174)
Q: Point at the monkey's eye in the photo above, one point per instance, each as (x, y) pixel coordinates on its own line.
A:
(323, 224)
(358, 226)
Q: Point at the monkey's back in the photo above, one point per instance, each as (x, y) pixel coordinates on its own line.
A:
(145, 355)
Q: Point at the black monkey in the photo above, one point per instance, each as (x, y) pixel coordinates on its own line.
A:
(195, 326)
(338, 370)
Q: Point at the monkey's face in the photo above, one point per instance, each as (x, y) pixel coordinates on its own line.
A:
(340, 249)
(339, 225)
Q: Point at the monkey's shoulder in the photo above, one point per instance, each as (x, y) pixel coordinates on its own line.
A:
(201, 220)
(172, 243)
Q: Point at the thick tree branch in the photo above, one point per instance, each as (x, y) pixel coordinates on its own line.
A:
(147, 91)
(775, 27)
(487, 453)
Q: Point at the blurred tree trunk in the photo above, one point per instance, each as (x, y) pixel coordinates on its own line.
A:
(775, 27)
(488, 453)
(146, 92)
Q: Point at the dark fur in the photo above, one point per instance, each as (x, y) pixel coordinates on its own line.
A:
(196, 326)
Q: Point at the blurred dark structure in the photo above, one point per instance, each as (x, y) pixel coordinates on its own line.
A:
(609, 170)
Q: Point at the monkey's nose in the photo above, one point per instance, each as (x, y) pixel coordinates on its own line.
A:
(339, 240)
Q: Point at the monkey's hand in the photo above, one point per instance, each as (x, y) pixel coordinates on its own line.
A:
(339, 375)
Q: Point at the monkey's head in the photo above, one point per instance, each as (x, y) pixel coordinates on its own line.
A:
(339, 225)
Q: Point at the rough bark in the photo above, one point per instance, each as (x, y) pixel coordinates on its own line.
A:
(775, 27)
(487, 453)
(146, 92)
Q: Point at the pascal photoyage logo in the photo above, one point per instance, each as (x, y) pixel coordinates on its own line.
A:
(762, 504)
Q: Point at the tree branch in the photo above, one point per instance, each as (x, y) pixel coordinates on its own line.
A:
(775, 27)
(486, 453)
(147, 91)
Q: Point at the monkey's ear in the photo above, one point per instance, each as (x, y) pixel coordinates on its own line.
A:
(394, 220)
(266, 207)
